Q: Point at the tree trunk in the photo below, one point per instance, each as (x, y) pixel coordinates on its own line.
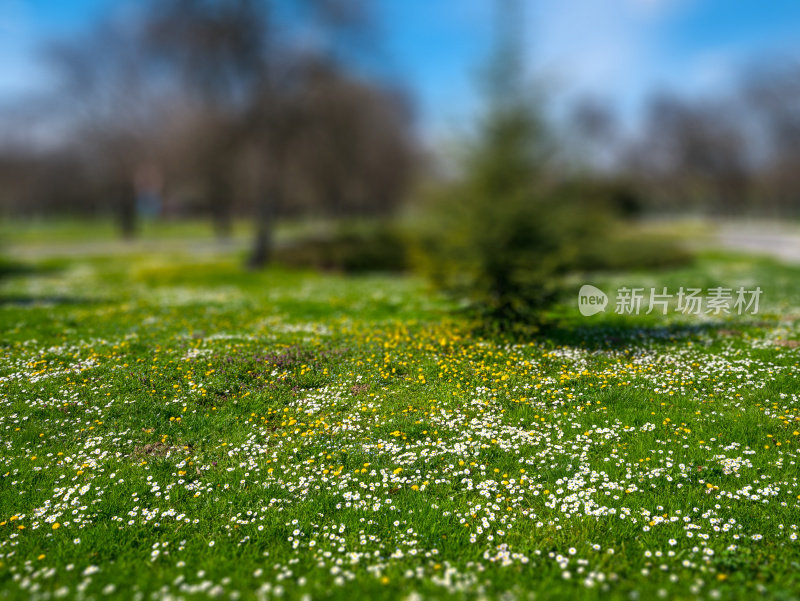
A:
(222, 220)
(220, 199)
(262, 244)
(126, 206)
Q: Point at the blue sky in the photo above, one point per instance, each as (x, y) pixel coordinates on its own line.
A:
(617, 50)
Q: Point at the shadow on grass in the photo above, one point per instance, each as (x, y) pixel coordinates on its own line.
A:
(614, 332)
(615, 335)
(12, 268)
(24, 300)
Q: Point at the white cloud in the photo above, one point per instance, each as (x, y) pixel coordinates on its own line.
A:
(614, 49)
(592, 42)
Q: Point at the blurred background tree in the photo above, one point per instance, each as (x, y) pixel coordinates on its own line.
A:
(113, 112)
(285, 128)
(223, 108)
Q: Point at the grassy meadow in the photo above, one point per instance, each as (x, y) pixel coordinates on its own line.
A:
(174, 427)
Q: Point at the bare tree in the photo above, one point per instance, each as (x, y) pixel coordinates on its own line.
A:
(772, 97)
(218, 52)
(237, 106)
(694, 153)
(106, 94)
(354, 153)
(284, 125)
(596, 131)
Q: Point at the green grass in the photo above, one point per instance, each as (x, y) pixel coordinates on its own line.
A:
(173, 426)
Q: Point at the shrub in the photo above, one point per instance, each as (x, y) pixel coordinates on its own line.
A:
(348, 250)
(633, 250)
(506, 253)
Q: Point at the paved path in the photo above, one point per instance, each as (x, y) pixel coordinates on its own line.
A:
(778, 240)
